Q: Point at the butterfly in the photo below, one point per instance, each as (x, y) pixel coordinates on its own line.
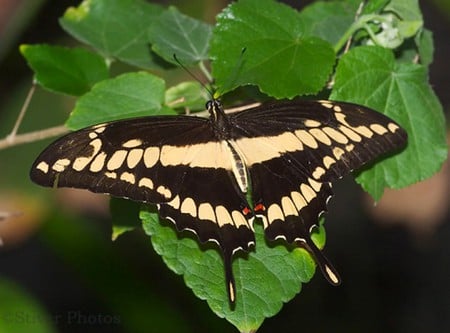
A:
(198, 170)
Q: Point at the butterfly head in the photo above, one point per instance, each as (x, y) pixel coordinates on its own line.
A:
(215, 109)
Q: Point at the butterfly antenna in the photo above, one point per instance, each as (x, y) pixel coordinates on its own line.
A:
(193, 76)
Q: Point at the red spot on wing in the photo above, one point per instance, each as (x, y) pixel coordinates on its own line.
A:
(259, 208)
(246, 211)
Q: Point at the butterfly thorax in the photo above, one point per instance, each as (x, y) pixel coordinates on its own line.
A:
(220, 121)
(223, 129)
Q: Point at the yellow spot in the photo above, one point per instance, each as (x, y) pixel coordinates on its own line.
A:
(213, 154)
(335, 135)
(132, 143)
(311, 123)
(60, 165)
(364, 131)
(306, 138)
(307, 192)
(351, 134)
(377, 128)
(98, 163)
(321, 136)
(111, 175)
(173, 155)
(341, 118)
(349, 147)
(92, 135)
(328, 161)
(231, 292)
(315, 185)
(164, 191)
(392, 127)
(238, 218)
(338, 152)
(146, 182)
(134, 157)
(80, 163)
(175, 203)
(151, 156)
(206, 212)
(275, 213)
(99, 128)
(128, 177)
(43, 166)
(337, 108)
(223, 216)
(286, 142)
(260, 149)
(116, 160)
(318, 172)
(288, 207)
(331, 275)
(257, 150)
(188, 207)
(326, 104)
(298, 200)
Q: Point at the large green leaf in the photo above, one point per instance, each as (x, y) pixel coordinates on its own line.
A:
(265, 278)
(279, 57)
(126, 96)
(118, 29)
(70, 71)
(175, 33)
(329, 20)
(370, 76)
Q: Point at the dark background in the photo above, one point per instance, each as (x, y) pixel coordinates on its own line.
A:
(394, 260)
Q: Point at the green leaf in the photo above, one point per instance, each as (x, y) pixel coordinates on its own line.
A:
(265, 278)
(189, 94)
(410, 14)
(329, 20)
(126, 96)
(124, 216)
(19, 312)
(69, 71)
(425, 45)
(374, 6)
(118, 29)
(175, 33)
(370, 76)
(408, 10)
(278, 54)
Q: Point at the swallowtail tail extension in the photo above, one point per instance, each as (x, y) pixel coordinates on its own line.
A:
(198, 170)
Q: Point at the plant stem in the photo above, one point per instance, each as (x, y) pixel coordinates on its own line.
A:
(360, 23)
(23, 110)
(15, 140)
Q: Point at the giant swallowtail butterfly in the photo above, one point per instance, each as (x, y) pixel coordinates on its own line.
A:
(199, 170)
